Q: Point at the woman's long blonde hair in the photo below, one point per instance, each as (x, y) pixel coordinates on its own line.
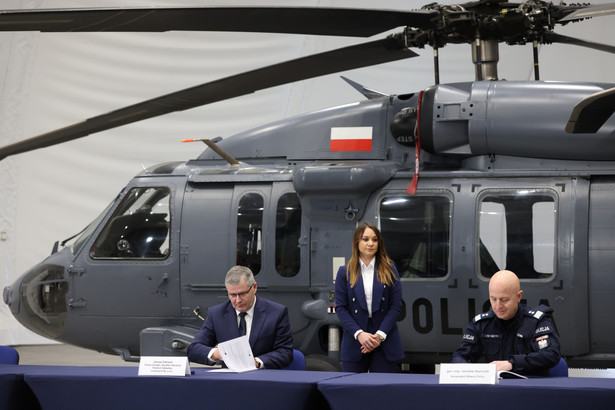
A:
(383, 262)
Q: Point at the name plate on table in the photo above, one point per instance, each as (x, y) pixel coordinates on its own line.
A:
(468, 373)
(164, 366)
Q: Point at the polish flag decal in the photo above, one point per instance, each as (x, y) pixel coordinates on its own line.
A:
(351, 139)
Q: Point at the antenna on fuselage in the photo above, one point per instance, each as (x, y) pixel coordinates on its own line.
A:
(225, 155)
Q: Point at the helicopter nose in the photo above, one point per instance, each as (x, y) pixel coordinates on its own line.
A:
(37, 300)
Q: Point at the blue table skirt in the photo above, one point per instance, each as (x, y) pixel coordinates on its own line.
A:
(58, 387)
(63, 387)
(422, 391)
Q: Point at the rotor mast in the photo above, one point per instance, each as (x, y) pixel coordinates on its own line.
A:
(485, 56)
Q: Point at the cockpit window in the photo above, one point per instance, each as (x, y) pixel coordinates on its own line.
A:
(139, 228)
(85, 235)
(517, 232)
(416, 233)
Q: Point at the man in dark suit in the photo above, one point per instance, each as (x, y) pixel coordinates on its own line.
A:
(265, 322)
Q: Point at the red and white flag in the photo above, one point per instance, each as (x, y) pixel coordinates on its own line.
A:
(351, 139)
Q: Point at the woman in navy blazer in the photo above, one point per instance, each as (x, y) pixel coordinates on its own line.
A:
(371, 340)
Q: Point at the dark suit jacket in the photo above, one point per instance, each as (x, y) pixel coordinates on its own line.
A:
(270, 337)
(351, 308)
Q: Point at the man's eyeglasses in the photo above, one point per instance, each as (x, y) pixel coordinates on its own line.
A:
(240, 295)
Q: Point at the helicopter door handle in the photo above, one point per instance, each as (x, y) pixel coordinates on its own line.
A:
(163, 279)
(79, 303)
(76, 271)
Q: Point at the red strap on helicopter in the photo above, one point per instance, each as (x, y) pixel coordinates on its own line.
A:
(417, 145)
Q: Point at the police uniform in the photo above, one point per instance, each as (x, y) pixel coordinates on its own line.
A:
(528, 340)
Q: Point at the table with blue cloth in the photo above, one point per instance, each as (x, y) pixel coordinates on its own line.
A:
(70, 387)
(423, 391)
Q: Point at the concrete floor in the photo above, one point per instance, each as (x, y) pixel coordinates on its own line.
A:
(67, 355)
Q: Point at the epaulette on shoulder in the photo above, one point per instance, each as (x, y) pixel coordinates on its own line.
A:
(482, 316)
(538, 312)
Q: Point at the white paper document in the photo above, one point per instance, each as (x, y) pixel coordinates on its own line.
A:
(237, 355)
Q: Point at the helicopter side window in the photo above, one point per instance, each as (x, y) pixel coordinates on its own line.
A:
(517, 232)
(416, 231)
(139, 227)
(250, 231)
(287, 233)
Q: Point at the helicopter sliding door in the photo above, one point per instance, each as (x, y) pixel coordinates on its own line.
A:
(418, 234)
(258, 225)
(270, 238)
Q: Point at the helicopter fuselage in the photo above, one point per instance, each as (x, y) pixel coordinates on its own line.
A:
(501, 185)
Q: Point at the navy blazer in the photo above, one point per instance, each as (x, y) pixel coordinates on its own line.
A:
(351, 308)
(270, 336)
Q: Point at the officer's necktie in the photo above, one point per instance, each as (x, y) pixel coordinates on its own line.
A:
(242, 323)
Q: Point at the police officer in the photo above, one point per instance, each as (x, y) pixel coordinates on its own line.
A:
(511, 335)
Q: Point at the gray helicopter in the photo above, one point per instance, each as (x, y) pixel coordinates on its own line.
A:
(459, 186)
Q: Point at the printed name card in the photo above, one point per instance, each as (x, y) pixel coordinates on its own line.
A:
(468, 373)
(164, 366)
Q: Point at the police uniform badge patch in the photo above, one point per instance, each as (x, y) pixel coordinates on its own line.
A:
(543, 341)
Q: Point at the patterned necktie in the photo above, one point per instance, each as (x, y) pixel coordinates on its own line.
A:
(242, 323)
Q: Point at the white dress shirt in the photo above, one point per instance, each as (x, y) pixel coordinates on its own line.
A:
(367, 272)
(249, 317)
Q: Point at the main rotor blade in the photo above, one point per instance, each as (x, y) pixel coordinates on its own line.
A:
(347, 58)
(295, 20)
(597, 10)
(550, 37)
